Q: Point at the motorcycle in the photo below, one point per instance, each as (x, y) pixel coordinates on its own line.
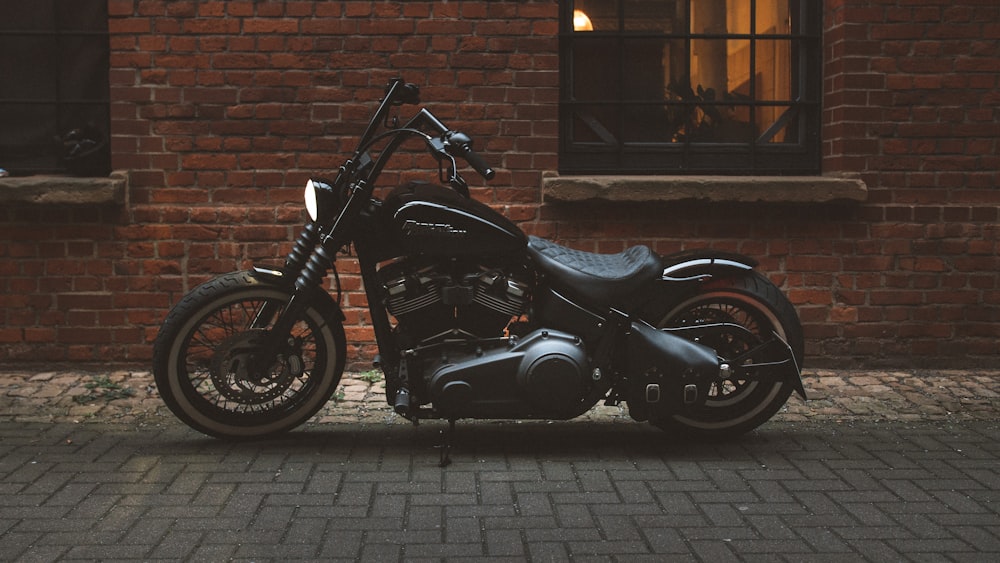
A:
(474, 319)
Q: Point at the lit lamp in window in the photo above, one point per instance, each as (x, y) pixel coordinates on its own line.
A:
(581, 22)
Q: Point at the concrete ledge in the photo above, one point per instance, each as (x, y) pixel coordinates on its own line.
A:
(776, 189)
(65, 190)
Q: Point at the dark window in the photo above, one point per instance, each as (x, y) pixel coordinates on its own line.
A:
(54, 87)
(690, 86)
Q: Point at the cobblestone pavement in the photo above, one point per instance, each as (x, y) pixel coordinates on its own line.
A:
(129, 396)
(886, 466)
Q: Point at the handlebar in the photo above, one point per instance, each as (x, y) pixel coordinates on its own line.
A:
(446, 142)
(459, 144)
(456, 143)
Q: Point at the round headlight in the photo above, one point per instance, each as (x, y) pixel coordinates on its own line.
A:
(312, 205)
(321, 203)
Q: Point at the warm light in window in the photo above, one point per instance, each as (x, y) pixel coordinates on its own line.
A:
(581, 22)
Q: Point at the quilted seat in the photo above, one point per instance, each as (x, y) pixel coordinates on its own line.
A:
(600, 280)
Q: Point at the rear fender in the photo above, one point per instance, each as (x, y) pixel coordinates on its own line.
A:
(703, 265)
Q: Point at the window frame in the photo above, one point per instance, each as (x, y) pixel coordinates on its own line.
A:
(802, 157)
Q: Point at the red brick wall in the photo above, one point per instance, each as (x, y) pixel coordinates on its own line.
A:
(221, 110)
(911, 101)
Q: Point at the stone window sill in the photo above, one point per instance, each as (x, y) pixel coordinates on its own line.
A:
(772, 189)
(65, 190)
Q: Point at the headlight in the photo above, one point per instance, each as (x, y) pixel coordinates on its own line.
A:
(311, 204)
(320, 201)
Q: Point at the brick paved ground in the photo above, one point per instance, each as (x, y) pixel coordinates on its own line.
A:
(840, 478)
(80, 396)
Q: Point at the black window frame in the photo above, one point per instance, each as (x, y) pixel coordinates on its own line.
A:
(59, 117)
(802, 157)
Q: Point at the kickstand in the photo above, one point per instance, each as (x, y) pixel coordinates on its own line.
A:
(445, 460)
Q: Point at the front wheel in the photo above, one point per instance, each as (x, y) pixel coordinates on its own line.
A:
(202, 359)
(743, 313)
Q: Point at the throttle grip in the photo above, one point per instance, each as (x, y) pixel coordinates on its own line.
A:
(478, 163)
(460, 144)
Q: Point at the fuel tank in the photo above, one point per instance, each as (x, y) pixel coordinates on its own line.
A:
(431, 219)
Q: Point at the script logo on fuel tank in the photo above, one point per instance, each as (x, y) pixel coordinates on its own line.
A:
(411, 227)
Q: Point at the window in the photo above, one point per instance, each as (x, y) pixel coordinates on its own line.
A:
(690, 86)
(54, 92)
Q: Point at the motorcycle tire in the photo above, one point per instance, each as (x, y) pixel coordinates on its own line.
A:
(736, 406)
(202, 352)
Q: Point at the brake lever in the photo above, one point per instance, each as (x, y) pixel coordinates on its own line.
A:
(459, 184)
(452, 177)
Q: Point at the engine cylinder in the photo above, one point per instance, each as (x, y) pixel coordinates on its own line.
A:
(428, 301)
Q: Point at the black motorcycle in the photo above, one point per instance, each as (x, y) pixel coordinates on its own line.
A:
(473, 318)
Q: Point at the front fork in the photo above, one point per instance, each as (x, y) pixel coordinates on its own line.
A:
(310, 261)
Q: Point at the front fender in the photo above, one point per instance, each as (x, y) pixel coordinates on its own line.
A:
(271, 276)
(320, 299)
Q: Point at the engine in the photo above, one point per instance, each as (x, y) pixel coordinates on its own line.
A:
(465, 355)
(474, 302)
(543, 374)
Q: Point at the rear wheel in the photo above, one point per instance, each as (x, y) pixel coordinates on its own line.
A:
(203, 362)
(744, 313)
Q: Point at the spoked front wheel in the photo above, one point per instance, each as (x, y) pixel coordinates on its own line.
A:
(206, 371)
(738, 318)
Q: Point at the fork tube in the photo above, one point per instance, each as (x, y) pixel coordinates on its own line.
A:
(303, 248)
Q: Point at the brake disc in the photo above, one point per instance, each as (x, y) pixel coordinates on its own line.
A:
(234, 378)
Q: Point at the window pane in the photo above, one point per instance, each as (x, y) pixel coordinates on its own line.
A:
(77, 15)
(652, 16)
(738, 71)
(596, 68)
(723, 124)
(27, 135)
(595, 125)
(24, 76)
(643, 65)
(27, 16)
(84, 74)
(648, 124)
(774, 70)
(602, 14)
(710, 67)
(779, 124)
(720, 17)
(773, 17)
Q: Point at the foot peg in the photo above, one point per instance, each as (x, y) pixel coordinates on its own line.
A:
(402, 403)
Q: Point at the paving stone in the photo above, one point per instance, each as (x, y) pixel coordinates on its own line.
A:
(848, 480)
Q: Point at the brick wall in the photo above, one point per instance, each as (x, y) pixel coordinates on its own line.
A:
(222, 110)
(911, 101)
